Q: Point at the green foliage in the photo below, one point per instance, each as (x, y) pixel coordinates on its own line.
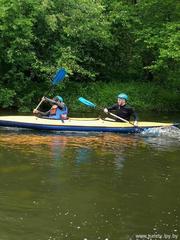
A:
(158, 37)
(6, 97)
(142, 96)
(95, 40)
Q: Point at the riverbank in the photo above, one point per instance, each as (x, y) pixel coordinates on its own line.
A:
(142, 96)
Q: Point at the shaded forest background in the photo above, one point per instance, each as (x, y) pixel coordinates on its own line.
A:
(106, 46)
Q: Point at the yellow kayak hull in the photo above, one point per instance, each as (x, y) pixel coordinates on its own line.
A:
(77, 124)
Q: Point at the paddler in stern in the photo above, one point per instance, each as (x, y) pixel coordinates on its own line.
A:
(123, 110)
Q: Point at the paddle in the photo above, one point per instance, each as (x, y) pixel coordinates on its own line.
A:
(59, 76)
(90, 104)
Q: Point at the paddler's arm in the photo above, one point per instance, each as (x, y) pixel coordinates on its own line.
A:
(35, 111)
(114, 107)
(50, 101)
(61, 105)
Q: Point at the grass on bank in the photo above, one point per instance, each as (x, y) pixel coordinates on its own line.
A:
(142, 96)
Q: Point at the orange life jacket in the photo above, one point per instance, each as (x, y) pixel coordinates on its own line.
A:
(53, 110)
(57, 113)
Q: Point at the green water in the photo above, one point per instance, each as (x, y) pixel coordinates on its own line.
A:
(89, 186)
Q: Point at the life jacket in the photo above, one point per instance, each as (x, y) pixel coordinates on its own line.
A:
(57, 113)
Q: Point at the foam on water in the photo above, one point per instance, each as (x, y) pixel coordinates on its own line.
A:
(170, 132)
(162, 137)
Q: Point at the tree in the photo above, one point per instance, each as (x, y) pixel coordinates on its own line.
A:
(158, 37)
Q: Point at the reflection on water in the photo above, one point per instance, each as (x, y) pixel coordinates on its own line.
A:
(88, 185)
(59, 142)
(55, 141)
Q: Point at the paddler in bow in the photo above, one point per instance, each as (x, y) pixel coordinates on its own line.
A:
(58, 110)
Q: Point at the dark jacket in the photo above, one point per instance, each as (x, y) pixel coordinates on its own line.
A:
(124, 112)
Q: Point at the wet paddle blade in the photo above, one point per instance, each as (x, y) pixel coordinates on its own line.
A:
(86, 102)
(59, 76)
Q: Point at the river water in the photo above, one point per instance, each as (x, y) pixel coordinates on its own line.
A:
(88, 186)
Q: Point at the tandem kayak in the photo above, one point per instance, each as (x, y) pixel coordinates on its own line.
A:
(77, 124)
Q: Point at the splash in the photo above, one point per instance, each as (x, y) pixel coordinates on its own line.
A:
(162, 138)
(170, 132)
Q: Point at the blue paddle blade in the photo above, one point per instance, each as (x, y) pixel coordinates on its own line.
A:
(60, 74)
(86, 102)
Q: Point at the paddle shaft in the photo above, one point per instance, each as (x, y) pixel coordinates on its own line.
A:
(57, 78)
(122, 119)
(42, 100)
(39, 104)
(90, 104)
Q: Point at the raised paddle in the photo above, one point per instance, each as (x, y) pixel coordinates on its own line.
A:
(59, 76)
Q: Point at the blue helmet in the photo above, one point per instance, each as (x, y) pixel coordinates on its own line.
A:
(59, 98)
(123, 96)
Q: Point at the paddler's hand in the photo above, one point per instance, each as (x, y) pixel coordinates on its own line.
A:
(135, 123)
(106, 110)
(43, 99)
(35, 111)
